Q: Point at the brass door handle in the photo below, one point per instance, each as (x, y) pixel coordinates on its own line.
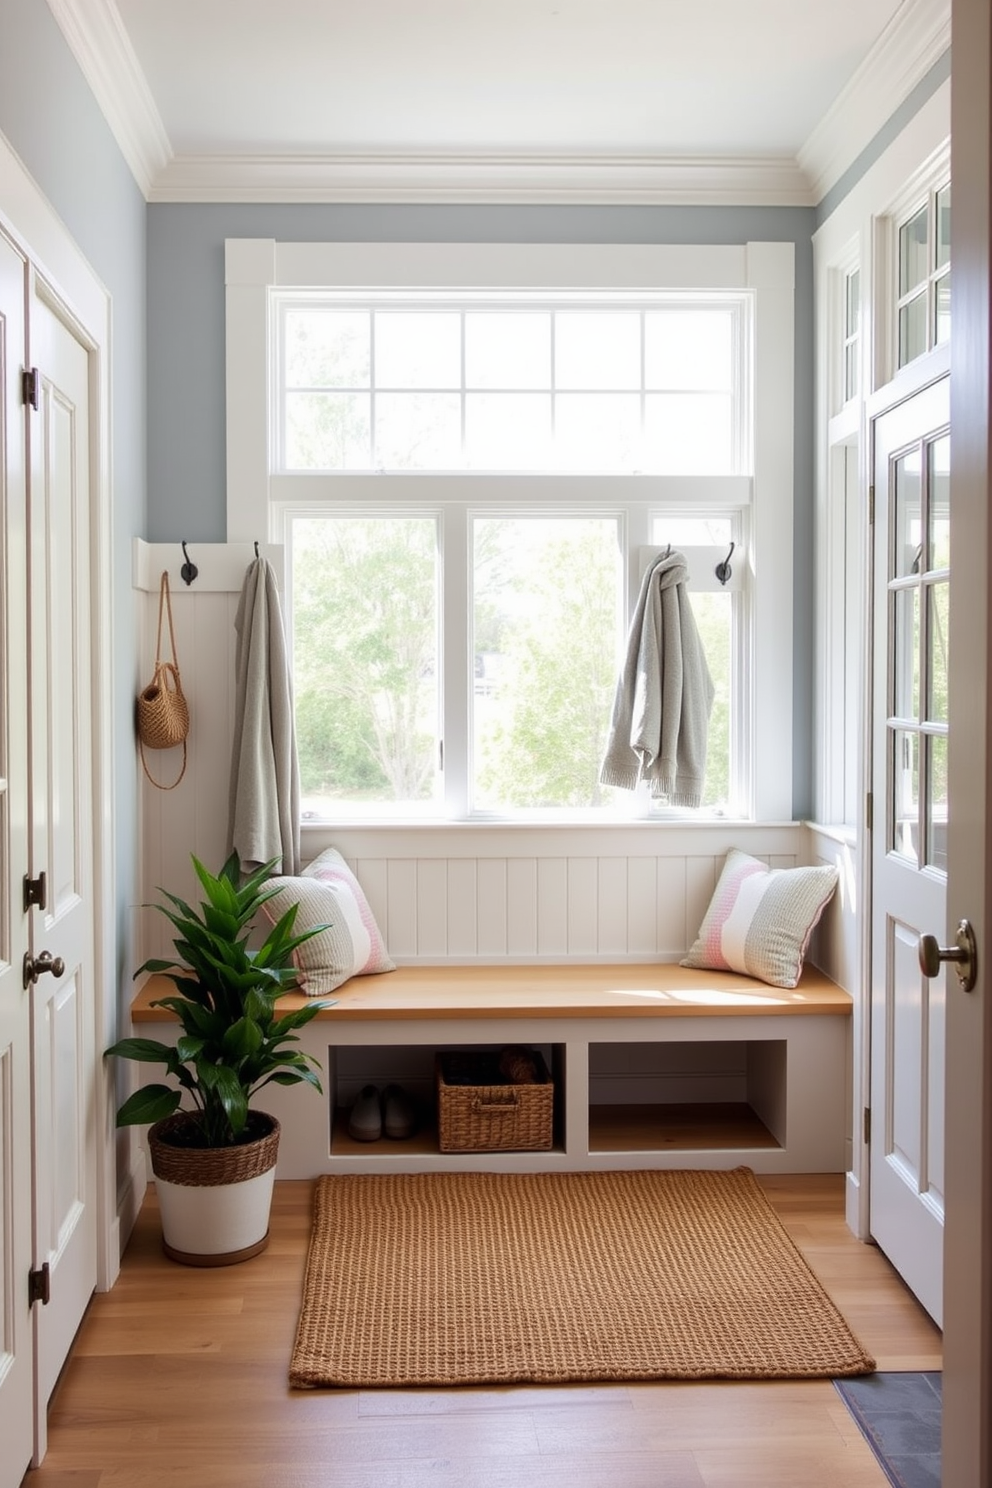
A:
(36, 966)
(963, 955)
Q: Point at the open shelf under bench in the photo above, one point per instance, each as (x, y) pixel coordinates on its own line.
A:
(655, 1065)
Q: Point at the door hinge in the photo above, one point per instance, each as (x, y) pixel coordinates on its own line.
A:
(866, 1132)
(869, 811)
(31, 387)
(35, 891)
(40, 1286)
(871, 506)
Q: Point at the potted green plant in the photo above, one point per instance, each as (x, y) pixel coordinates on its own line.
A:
(214, 1158)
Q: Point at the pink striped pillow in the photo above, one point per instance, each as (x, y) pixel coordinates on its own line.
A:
(328, 895)
(760, 919)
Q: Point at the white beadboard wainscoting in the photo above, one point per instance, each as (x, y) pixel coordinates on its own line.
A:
(457, 892)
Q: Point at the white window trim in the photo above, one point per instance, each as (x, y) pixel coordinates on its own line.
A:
(859, 230)
(256, 266)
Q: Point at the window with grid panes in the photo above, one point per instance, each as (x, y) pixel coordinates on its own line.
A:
(487, 393)
(923, 278)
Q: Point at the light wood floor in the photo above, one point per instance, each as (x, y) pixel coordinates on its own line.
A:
(179, 1380)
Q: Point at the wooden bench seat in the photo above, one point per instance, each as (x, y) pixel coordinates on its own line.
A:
(633, 990)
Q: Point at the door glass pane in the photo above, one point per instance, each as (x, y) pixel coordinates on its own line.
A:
(913, 329)
(507, 349)
(906, 681)
(904, 826)
(365, 663)
(939, 456)
(418, 350)
(913, 258)
(908, 535)
(938, 596)
(546, 621)
(597, 349)
(936, 855)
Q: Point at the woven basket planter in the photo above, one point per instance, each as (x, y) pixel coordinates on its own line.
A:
(214, 1201)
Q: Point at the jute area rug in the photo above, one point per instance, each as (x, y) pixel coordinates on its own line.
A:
(471, 1278)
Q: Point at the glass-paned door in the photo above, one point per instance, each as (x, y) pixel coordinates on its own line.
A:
(911, 588)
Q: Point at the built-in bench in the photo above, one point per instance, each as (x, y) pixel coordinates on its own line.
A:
(655, 1065)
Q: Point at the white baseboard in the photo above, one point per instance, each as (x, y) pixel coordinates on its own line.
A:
(131, 1196)
(854, 1209)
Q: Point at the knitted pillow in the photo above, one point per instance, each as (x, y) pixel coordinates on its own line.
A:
(760, 919)
(328, 893)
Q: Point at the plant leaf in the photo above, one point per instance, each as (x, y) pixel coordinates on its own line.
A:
(145, 1051)
(150, 1103)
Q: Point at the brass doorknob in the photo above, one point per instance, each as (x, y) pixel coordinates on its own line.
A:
(963, 955)
(36, 966)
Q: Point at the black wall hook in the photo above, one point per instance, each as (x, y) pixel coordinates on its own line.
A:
(189, 570)
(723, 570)
(256, 550)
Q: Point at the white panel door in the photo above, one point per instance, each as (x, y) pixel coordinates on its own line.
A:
(910, 595)
(16, 1350)
(61, 826)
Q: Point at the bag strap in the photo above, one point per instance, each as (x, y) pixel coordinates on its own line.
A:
(157, 783)
(165, 604)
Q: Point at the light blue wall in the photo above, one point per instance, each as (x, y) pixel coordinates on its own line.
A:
(186, 460)
(50, 118)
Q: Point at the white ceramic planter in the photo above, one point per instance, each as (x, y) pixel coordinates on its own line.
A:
(215, 1226)
(214, 1202)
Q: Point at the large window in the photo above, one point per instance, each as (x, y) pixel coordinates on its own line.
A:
(521, 656)
(468, 482)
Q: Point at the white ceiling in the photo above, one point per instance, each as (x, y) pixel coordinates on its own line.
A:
(498, 99)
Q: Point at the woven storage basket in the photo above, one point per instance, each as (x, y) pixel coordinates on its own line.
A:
(478, 1111)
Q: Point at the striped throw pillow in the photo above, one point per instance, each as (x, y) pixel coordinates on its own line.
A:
(328, 893)
(760, 919)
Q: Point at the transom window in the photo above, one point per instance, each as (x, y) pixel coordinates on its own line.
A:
(924, 277)
(506, 384)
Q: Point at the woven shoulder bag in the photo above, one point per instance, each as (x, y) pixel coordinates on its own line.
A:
(163, 713)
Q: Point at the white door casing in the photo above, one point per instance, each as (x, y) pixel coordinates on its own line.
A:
(910, 598)
(64, 1060)
(16, 1345)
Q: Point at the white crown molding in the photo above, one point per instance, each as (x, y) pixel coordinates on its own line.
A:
(97, 39)
(481, 178)
(916, 37)
(911, 43)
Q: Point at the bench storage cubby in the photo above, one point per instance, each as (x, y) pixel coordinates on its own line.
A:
(653, 1065)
